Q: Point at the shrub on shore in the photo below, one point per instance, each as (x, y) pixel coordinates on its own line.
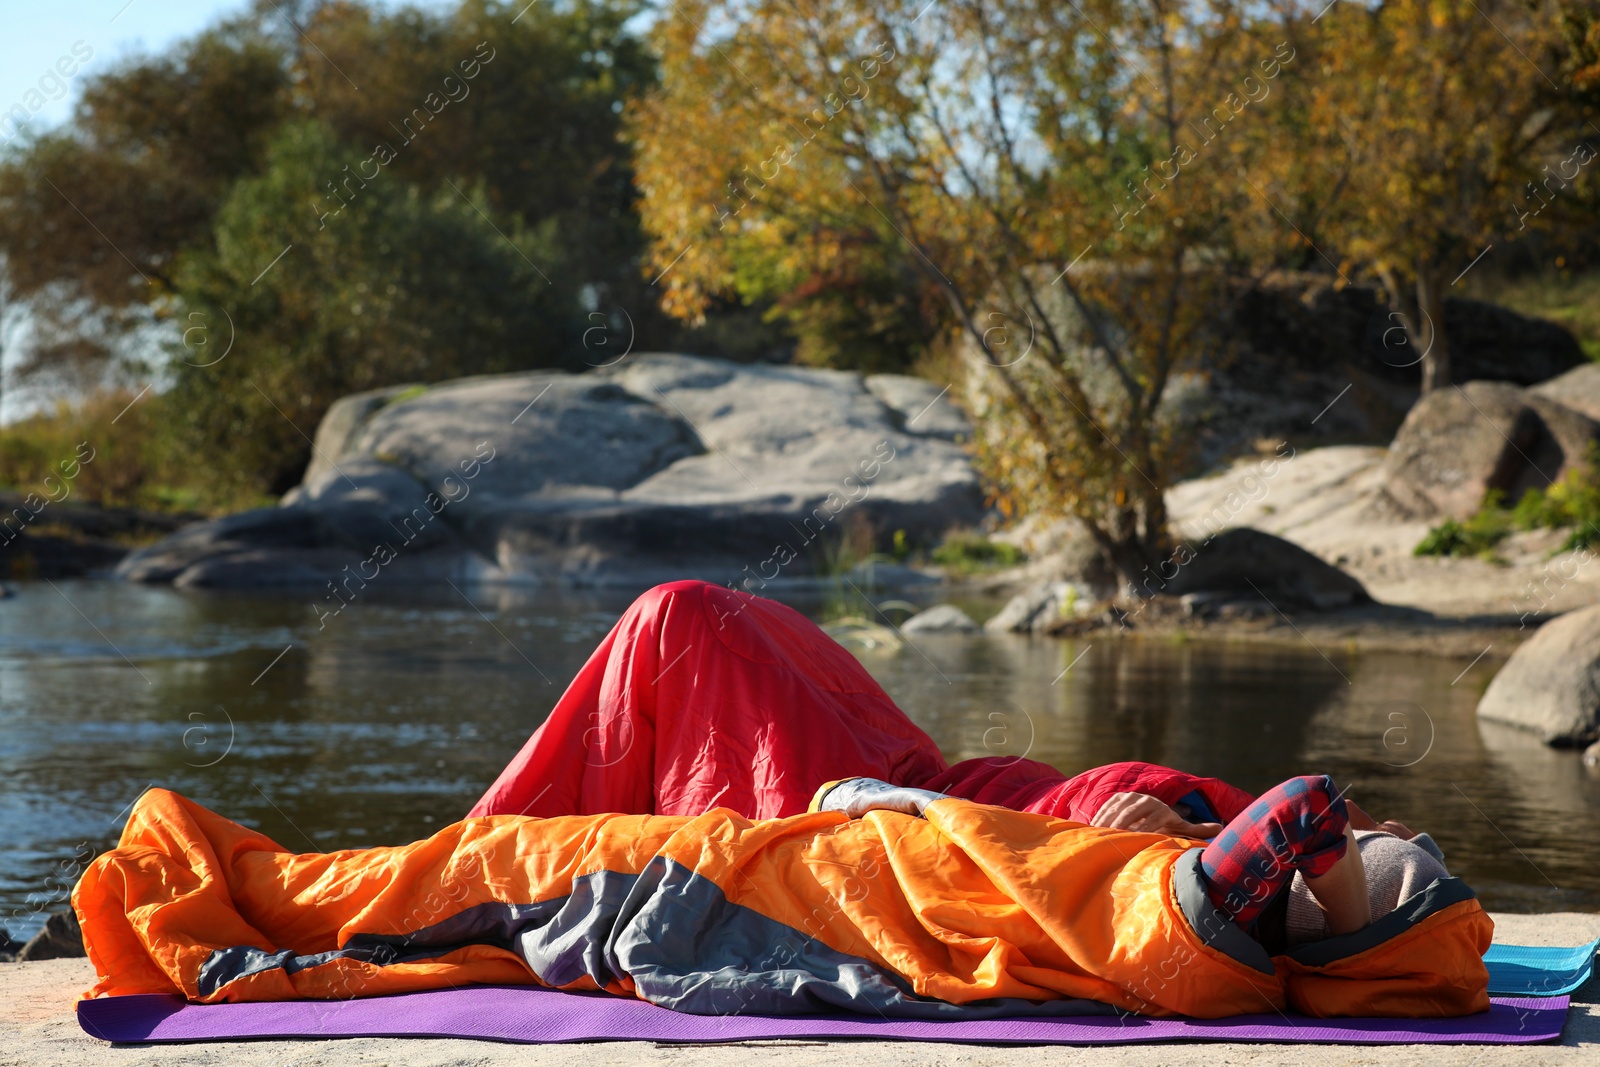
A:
(966, 554)
(1571, 503)
(136, 461)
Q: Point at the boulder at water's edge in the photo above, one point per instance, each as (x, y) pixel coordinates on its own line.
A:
(1551, 685)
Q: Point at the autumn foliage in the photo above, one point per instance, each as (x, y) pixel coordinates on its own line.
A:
(1071, 191)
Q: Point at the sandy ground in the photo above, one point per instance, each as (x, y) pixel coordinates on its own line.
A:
(37, 1029)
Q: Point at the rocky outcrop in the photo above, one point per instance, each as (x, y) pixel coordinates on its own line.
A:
(1459, 443)
(1298, 322)
(1246, 564)
(1294, 356)
(1551, 684)
(660, 466)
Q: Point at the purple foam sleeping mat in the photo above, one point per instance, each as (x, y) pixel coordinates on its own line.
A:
(542, 1016)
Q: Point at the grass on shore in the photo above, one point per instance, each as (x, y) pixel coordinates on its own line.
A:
(964, 555)
(114, 449)
(1573, 504)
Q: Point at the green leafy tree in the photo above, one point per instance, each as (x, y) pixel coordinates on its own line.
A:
(400, 285)
(537, 123)
(100, 209)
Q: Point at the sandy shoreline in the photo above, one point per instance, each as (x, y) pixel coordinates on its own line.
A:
(37, 1028)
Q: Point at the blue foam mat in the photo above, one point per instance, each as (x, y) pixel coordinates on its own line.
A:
(1529, 971)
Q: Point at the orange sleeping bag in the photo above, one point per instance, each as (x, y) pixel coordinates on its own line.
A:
(970, 911)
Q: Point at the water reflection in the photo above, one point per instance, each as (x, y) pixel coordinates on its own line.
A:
(1078, 704)
(388, 722)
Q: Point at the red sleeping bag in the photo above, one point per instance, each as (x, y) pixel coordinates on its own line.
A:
(703, 697)
(1028, 785)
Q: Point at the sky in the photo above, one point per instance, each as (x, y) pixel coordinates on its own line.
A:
(36, 34)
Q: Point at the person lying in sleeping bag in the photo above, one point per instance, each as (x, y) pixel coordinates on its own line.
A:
(702, 696)
(945, 909)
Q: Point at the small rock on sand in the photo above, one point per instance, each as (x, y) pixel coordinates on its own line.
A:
(61, 938)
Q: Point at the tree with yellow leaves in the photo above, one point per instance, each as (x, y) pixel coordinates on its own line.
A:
(1434, 134)
(1058, 177)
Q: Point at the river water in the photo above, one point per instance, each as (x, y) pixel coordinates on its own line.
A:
(388, 720)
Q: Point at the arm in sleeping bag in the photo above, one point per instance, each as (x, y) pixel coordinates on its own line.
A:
(1121, 811)
(854, 797)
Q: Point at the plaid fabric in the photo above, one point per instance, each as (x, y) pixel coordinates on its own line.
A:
(1296, 826)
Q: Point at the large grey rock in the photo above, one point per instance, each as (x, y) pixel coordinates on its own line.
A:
(362, 501)
(1460, 442)
(660, 464)
(1551, 685)
(547, 433)
(794, 437)
(1578, 389)
(1245, 564)
(344, 419)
